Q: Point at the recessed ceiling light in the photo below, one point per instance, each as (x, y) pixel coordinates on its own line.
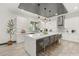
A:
(56, 14)
(75, 7)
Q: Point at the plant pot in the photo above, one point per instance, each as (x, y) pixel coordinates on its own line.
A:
(10, 42)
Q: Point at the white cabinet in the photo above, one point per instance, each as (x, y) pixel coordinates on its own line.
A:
(30, 46)
(20, 38)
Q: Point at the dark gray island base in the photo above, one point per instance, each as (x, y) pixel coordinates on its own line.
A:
(43, 43)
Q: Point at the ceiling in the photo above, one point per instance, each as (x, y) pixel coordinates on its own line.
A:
(56, 8)
(44, 9)
(71, 7)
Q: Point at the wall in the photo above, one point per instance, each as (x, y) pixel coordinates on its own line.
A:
(24, 18)
(71, 23)
(5, 15)
(23, 23)
(50, 25)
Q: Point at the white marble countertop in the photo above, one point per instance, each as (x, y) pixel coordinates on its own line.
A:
(41, 35)
(31, 39)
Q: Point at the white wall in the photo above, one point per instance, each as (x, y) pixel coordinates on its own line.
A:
(71, 23)
(23, 24)
(52, 24)
(5, 15)
(24, 18)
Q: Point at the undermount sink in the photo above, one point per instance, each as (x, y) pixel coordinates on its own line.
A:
(35, 34)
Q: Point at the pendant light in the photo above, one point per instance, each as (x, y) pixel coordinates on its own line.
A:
(45, 13)
(49, 13)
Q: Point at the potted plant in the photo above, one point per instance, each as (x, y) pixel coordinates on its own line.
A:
(10, 30)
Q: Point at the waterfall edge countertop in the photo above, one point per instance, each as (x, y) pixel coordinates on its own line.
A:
(30, 42)
(37, 36)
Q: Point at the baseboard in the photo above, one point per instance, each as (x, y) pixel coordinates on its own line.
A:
(7, 43)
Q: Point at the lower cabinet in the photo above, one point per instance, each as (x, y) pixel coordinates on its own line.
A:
(52, 39)
(39, 45)
(44, 42)
(20, 38)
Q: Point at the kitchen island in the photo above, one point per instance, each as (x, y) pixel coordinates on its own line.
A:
(33, 43)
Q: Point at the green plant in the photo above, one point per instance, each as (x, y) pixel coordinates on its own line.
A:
(11, 28)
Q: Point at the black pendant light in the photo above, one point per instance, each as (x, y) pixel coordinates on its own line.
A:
(49, 13)
(45, 13)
